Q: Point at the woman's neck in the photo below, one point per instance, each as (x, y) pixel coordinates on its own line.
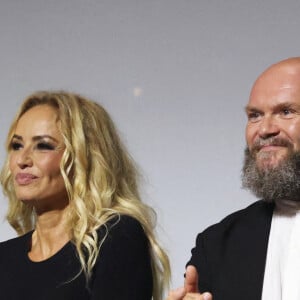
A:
(50, 235)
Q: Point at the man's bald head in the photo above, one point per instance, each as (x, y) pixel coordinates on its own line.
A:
(272, 162)
(281, 75)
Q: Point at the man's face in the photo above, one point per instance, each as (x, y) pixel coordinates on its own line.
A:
(273, 128)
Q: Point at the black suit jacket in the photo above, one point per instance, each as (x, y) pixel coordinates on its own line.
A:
(230, 256)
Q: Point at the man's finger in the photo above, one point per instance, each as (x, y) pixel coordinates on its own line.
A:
(191, 280)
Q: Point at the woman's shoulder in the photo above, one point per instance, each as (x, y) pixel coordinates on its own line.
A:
(13, 245)
(15, 241)
(121, 239)
(122, 233)
(124, 261)
(123, 226)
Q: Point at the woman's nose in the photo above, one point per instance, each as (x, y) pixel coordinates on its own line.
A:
(24, 159)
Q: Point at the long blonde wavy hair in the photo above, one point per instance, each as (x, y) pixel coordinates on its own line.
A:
(100, 177)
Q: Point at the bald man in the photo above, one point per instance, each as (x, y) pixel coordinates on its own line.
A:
(254, 253)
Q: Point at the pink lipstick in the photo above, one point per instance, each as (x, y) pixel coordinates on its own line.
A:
(24, 178)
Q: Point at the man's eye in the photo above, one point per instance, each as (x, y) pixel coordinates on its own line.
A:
(15, 146)
(45, 146)
(254, 116)
(286, 111)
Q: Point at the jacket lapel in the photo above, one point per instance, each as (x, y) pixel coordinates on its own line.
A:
(244, 256)
(251, 252)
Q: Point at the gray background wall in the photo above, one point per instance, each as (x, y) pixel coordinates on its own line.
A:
(175, 76)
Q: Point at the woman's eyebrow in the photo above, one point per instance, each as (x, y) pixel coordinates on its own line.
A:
(44, 136)
(18, 137)
(36, 138)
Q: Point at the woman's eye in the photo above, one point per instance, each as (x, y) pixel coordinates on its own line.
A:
(45, 146)
(15, 145)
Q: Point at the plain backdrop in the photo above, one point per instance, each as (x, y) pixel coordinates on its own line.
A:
(175, 76)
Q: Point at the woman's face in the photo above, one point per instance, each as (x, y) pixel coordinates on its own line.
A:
(35, 153)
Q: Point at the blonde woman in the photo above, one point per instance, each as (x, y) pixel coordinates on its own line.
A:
(74, 201)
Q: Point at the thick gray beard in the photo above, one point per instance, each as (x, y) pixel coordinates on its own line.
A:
(278, 184)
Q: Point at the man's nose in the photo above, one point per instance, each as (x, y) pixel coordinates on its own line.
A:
(268, 127)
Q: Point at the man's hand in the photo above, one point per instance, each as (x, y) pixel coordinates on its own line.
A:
(190, 290)
(177, 294)
(181, 294)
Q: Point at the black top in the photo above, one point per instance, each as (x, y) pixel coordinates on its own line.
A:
(230, 256)
(123, 269)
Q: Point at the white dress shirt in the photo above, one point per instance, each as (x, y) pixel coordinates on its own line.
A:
(282, 271)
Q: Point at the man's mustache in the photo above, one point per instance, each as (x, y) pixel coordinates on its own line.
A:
(271, 141)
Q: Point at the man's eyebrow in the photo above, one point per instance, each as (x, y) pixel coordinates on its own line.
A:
(251, 108)
(287, 104)
(276, 108)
